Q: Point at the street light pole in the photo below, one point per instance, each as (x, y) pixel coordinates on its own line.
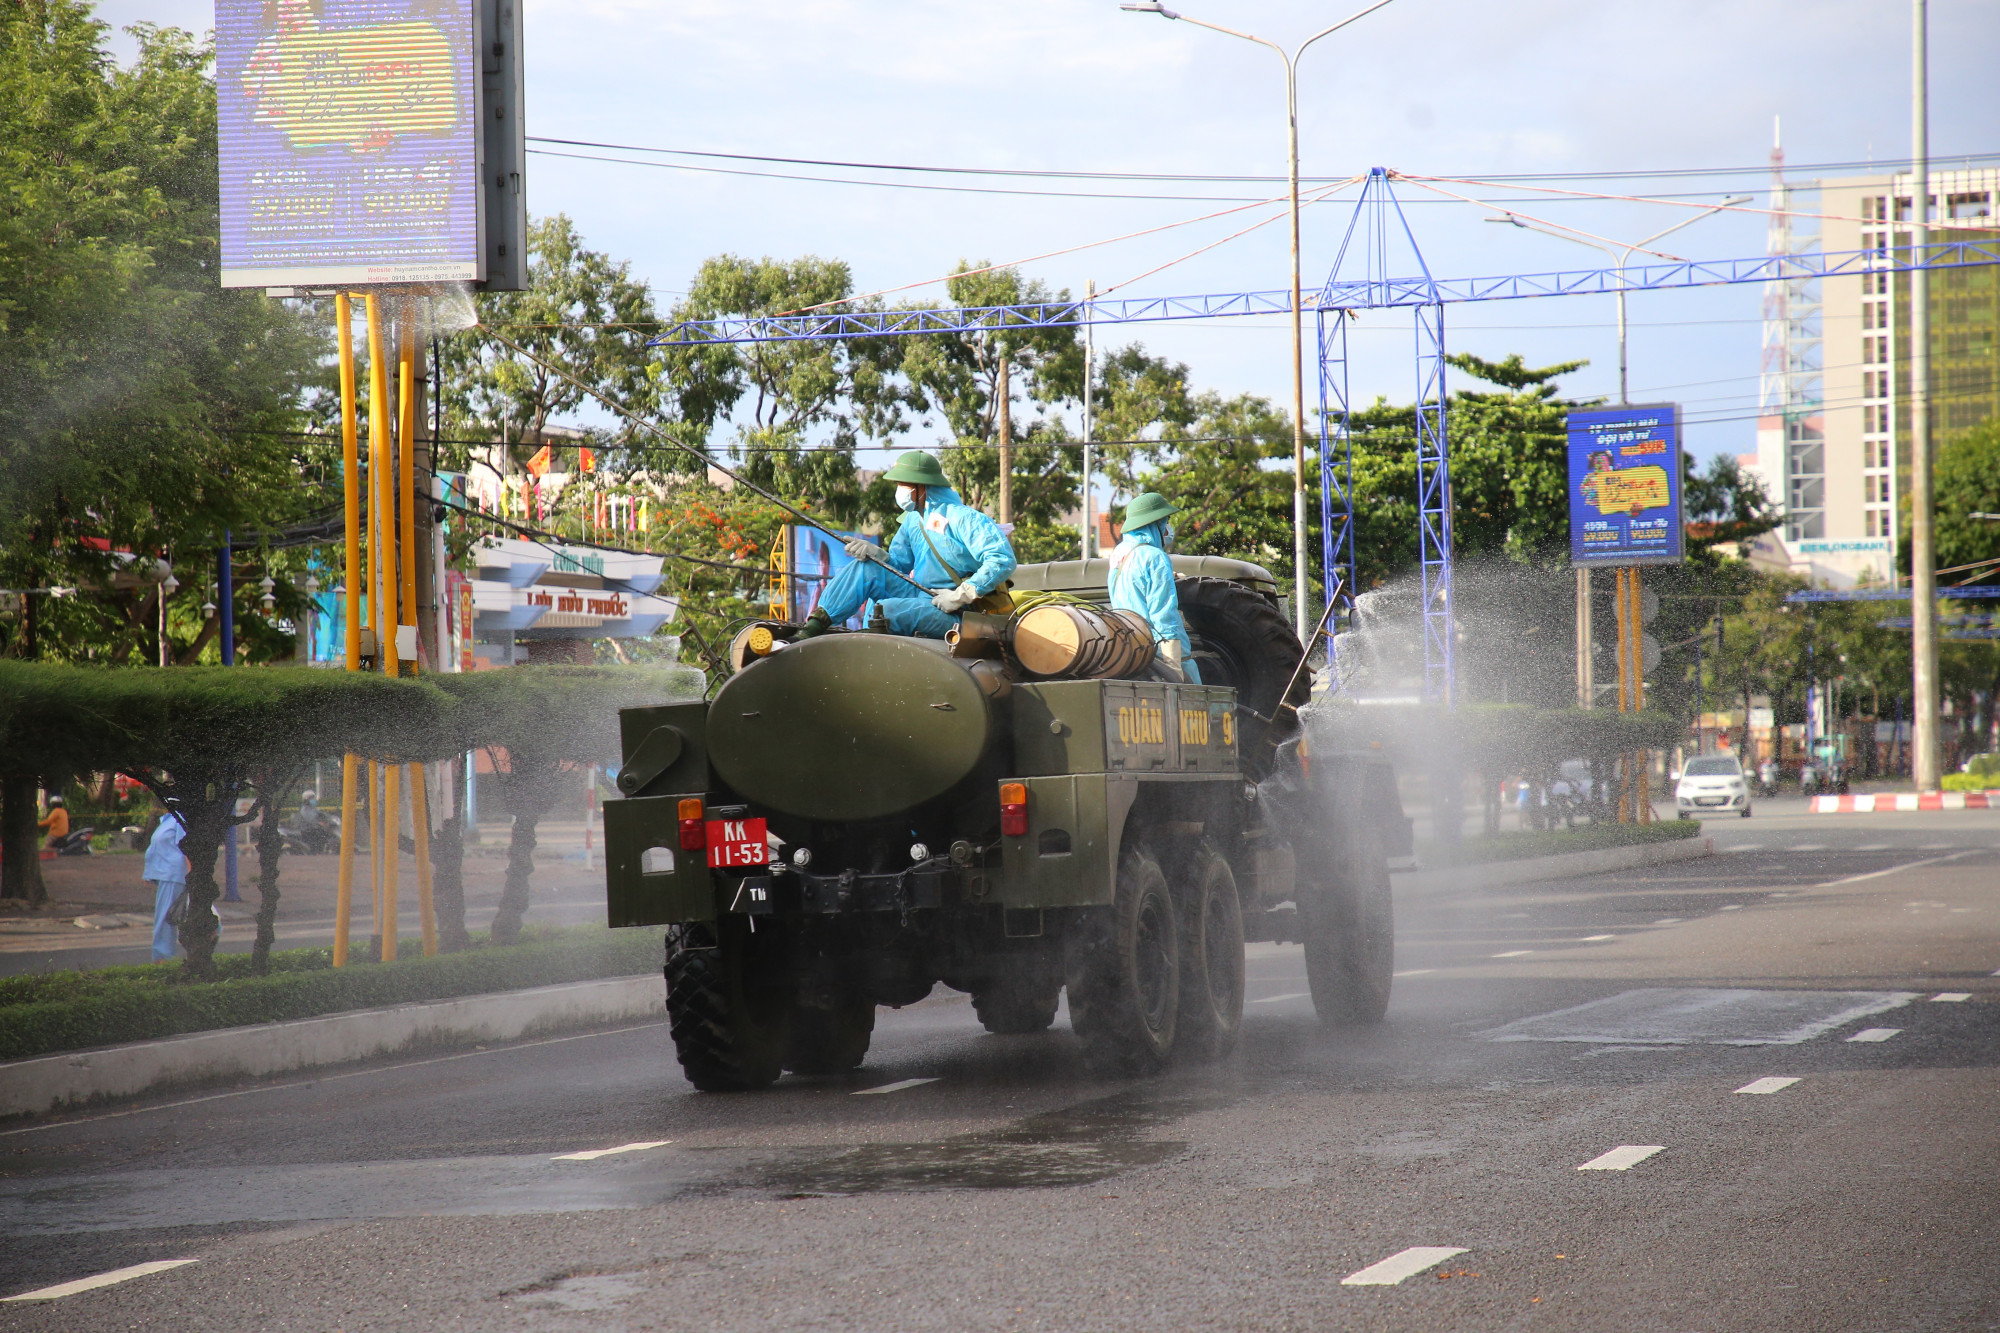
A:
(1927, 767)
(1302, 619)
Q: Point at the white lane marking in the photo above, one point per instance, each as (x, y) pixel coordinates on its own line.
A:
(1744, 847)
(1513, 953)
(110, 1279)
(1766, 1085)
(1622, 1158)
(894, 1087)
(1937, 846)
(596, 1153)
(1598, 939)
(1875, 1034)
(1873, 847)
(1807, 847)
(1733, 907)
(1951, 997)
(1892, 870)
(1405, 1263)
(1421, 971)
(312, 1078)
(1275, 999)
(1668, 921)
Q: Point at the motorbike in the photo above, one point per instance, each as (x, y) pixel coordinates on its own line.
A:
(77, 843)
(311, 839)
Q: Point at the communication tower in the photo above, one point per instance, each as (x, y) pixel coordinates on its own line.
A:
(1791, 437)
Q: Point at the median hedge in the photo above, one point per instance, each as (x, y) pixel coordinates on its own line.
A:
(1525, 843)
(66, 1011)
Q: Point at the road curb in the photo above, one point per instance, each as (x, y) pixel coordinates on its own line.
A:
(72, 1078)
(1568, 865)
(1887, 801)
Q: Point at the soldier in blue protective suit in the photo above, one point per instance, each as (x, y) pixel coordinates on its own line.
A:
(949, 548)
(1142, 580)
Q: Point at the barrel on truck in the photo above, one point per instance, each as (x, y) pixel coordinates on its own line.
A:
(853, 819)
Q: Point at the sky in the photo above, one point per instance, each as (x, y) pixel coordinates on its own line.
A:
(1454, 88)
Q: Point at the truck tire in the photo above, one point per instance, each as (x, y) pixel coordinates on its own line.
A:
(1241, 639)
(1018, 1004)
(1124, 973)
(1211, 1015)
(729, 1032)
(831, 1039)
(1350, 929)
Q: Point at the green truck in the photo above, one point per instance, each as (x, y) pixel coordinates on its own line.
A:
(851, 819)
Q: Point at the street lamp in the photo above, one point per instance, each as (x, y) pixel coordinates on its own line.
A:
(1299, 577)
(1509, 219)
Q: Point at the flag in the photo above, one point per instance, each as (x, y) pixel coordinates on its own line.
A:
(539, 464)
(586, 461)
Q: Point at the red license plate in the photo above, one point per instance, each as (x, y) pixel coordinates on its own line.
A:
(738, 842)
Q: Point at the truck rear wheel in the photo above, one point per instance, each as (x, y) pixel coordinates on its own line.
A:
(1350, 929)
(1018, 1003)
(1124, 973)
(1211, 1014)
(831, 1038)
(1241, 639)
(726, 1012)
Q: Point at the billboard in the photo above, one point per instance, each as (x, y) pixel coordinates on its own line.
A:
(350, 140)
(1625, 486)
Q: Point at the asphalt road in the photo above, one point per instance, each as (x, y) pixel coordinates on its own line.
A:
(1537, 1029)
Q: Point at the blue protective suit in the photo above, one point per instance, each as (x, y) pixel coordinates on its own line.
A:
(1142, 580)
(970, 543)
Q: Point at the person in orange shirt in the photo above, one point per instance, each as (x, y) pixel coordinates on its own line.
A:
(56, 822)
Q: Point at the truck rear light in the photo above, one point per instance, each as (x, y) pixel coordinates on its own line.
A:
(1014, 809)
(694, 825)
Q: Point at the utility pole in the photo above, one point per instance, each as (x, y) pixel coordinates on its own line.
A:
(1089, 423)
(1003, 394)
(1927, 768)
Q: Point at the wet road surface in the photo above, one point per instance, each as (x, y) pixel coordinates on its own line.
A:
(1754, 1091)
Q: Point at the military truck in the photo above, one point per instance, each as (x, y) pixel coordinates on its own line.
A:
(854, 818)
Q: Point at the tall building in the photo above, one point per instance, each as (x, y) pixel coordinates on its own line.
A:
(1833, 434)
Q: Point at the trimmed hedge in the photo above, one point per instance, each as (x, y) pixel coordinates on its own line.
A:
(66, 1011)
(1971, 782)
(1525, 843)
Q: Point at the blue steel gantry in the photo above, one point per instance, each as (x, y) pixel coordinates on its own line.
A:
(1378, 222)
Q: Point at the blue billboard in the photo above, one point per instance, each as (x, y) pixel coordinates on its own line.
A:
(350, 141)
(1625, 486)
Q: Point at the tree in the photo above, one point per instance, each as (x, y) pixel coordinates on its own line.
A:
(536, 724)
(1233, 501)
(197, 736)
(1967, 482)
(142, 408)
(1510, 460)
(1724, 507)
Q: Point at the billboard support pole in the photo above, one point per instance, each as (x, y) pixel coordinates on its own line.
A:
(343, 318)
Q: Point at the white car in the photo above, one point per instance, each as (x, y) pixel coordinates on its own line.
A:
(1712, 782)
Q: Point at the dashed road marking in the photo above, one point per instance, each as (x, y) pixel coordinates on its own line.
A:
(1745, 847)
(1414, 972)
(1937, 846)
(1875, 1034)
(1622, 1158)
(110, 1279)
(1733, 907)
(1598, 939)
(1951, 997)
(1405, 1263)
(596, 1153)
(1294, 995)
(1513, 953)
(1893, 870)
(898, 1086)
(1668, 921)
(1873, 847)
(1807, 847)
(1767, 1085)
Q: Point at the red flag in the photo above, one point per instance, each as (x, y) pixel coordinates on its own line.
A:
(539, 464)
(586, 461)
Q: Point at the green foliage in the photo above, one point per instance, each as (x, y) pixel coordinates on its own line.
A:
(140, 404)
(1987, 781)
(1724, 507)
(1967, 483)
(1509, 461)
(66, 1011)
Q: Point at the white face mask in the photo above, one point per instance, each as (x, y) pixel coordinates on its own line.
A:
(906, 497)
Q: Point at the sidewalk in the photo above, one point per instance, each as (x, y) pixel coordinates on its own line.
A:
(100, 912)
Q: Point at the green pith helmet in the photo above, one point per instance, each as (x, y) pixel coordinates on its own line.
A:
(917, 468)
(1150, 507)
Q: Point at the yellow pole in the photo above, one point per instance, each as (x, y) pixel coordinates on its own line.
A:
(392, 834)
(421, 818)
(1642, 795)
(382, 587)
(375, 847)
(343, 912)
(406, 444)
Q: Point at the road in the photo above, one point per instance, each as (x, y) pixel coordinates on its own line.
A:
(1535, 1029)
